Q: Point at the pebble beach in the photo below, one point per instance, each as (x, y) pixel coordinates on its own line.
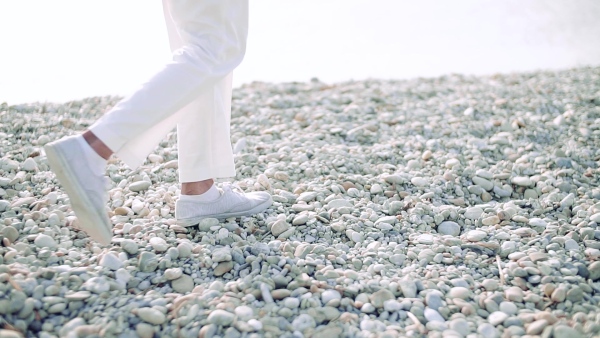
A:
(457, 206)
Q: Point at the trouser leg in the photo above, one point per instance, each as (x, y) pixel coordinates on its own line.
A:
(213, 37)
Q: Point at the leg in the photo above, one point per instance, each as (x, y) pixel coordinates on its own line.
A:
(214, 35)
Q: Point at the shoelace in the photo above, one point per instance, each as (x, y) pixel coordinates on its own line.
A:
(227, 186)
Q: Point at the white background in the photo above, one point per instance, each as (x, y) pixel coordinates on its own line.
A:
(63, 50)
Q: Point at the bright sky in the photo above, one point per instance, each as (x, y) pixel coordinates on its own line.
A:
(70, 49)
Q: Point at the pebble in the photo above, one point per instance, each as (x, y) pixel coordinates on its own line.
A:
(496, 318)
(433, 316)
(476, 235)
(449, 228)
(139, 186)
(158, 244)
(151, 315)
(111, 261)
(536, 327)
(221, 317)
(408, 288)
(459, 292)
(563, 331)
(329, 295)
(30, 165)
(173, 273)
(183, 284)
(45, 241)
(375, 218)
(523, 181)
(473, 213)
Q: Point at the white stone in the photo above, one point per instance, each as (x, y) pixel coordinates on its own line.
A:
(419, 181)
(29, 165)
(476, 235)
(159, 244)
(329, 295)
(44, 241)
(220, 317)
(151, 315)
(111, 261)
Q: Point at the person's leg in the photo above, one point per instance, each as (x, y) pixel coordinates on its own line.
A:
(214, 39)
(214, 32)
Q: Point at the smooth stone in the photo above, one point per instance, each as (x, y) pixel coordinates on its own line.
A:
(329, 295)
(292, 302)
(223, 268)
(339, 203)
(476, 235)
(139, 186)
(221, 255)
(279, 227)
(449, 228)
(484, 183)
(185, 250)
(300, 219)
(536, 327)
(523, 181)
(97, 285)
(508, 308)
(173, 273)
(183, 284)
(487, 330)
(29, 165)
(144, 330)
(433, 316)
(378, 298)
(563, 331)
(111, 261)
(221, 317)
(307, 196)
(571, 245)
(303, 322)
(130, 246)
(490, 284)
(514, 294)
(491, 220)
(244, 312)
(22, 201)
(537, 222)
(408, 288)
(473, 213)
(151, 315)
(433, 299)
(459, 292)
(460, 325)
(147, 262)
(594, 270)
(419, 181)
(10, 233)
(45, 241)
(497, 318)
(484, 174)
(79, 295)
(158, 244)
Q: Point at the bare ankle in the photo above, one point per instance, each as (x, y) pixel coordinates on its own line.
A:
(196, 188)
(99, 147)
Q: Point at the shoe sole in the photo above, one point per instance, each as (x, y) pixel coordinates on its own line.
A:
(94, 222)
(189, 222)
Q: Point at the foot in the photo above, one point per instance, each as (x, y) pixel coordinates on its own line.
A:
(84, 185)
(233, 202)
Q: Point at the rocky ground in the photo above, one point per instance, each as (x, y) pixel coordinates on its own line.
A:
(457, 206)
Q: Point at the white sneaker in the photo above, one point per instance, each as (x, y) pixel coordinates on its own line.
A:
(86, 189)
(232, 203)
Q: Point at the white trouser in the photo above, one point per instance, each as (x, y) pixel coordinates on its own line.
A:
(192, 92)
